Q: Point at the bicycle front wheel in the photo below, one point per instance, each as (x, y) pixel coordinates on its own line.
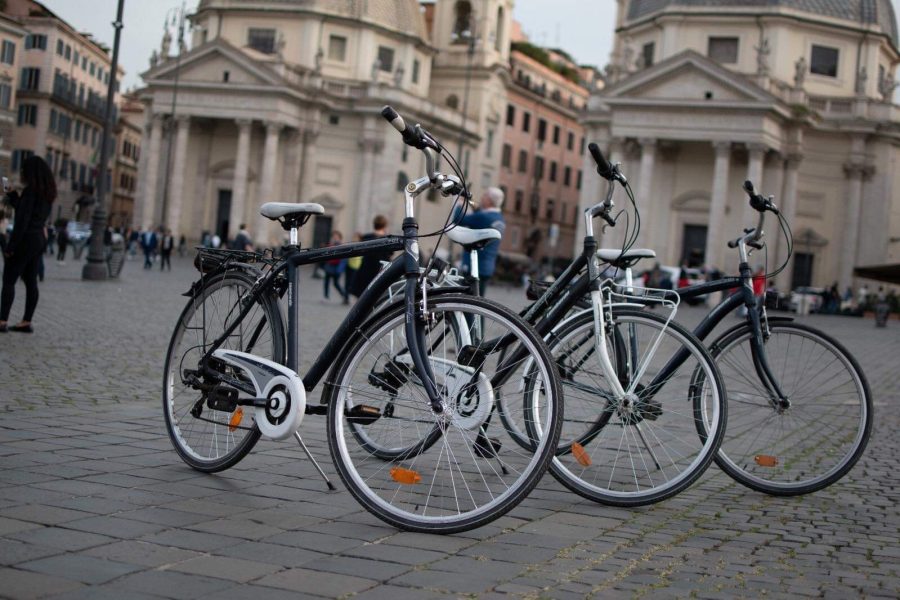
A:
(207, 439)
(448, 472)
(642, 446)
(810, 444)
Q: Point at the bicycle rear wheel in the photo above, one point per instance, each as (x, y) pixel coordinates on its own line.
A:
(643, 447)
(814, 442)
(212, 440)
(450, 472)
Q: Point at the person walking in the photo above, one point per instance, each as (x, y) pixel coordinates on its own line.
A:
(371, 263)
(242, 240)
(62, 242)
(182, 246)
(334, 268)
(26, 244)
(488, 216)
(165, 250)
(149, 241)
(353, 264)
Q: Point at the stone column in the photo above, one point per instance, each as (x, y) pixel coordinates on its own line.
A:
(176, 184)
(756, 155)
(151, 176)
(787, 204)
(850, 226)
(715, 238)
(364, 208)
(267, 187)
(307, 158)
(239, 186)
(645, 199)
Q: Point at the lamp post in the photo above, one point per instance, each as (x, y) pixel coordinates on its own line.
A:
(179, 14)
(95, 268)
(469, 36)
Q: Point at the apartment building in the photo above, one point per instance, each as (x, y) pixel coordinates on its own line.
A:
(129, 129)
(12, 37)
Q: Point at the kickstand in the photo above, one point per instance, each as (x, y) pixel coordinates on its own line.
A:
(647, 446)
(313, 460)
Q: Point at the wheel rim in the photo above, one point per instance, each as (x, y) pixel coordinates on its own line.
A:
(455, 484)
(216, 438)
(815, 439)
(641, 446)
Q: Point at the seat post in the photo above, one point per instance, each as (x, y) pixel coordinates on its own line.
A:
(294, 235)
(473, 264)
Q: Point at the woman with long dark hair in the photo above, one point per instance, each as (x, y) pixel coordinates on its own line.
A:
(26, 244)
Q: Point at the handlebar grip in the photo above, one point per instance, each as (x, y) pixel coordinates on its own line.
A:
(393, 117)
(748, 187)
(604, 169)
(733, 244)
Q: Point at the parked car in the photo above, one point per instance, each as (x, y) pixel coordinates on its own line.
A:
(812, 296)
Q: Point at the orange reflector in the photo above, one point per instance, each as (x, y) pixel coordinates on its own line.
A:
(236, 419)
(401, 475)
(766, 461)
(581, 454)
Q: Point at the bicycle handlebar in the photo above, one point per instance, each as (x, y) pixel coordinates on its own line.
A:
(415, 136)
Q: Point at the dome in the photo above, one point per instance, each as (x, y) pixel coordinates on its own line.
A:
(874, 12)
(403, 16)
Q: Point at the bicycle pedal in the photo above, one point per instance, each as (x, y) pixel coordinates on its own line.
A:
(471, 356)
(362, 414)
(222, 399)
(486, 447)
(391, 379)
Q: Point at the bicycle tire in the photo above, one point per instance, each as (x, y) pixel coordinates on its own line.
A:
(642, 433)
(224, 449)
(401, 501)
(749, 461)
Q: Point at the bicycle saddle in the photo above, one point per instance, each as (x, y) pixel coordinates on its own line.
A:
(473, 238)
(617, 258)
(277, 210)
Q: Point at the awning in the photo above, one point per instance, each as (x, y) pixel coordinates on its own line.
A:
(885, 273)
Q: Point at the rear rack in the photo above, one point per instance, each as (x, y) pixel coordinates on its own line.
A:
(212, 259)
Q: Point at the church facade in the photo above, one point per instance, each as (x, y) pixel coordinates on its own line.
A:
(796, 96)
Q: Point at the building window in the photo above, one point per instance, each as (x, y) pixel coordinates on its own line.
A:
(28, 114)
(647, 54)
(36, 41)
(453, 101)
(553, 171)
(489, 149)
(520, 199)
(8, 53)
(581, 146)
(53, 117)
(526, 122)
(5, 96)
(18, 157)
(262, 40)
(337, 48)
(415, 70)
(538, 167)
(578, 181)
(60, 47)
(31, 78)
(385, 58)
(567, 177)
(68, 53)
(84, 62)
(510, 114)
(76, 58)
(93, 68)
(556, 135)
(824, 61)
(226, 75)
(570, 141)
(523, 161)
(506, 157)
(542, 129)
(723, 49)
(551, 205)
(462, 22)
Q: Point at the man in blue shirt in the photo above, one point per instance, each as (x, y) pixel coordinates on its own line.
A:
(488, 216)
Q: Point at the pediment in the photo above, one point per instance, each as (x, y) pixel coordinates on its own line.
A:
(209, 62)
(688, 76)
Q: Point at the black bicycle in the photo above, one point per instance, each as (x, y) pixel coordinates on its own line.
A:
(409, 388)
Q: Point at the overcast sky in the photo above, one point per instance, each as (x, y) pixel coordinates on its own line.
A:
(584, 28)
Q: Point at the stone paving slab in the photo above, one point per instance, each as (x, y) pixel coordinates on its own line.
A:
(95, 504)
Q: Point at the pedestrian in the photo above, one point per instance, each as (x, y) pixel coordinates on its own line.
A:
(62, 242)
(334, 268)
(26, 244)
(882, 308)
(149, 241)
(353, 264)
(863, 297)
(165, 250)
(488, 216)
(51, 240)
(215, 241)
(371, 263)
(134, 239)
(182, 246)
(242, 240)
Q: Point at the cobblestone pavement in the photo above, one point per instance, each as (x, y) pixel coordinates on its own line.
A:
(94, 503)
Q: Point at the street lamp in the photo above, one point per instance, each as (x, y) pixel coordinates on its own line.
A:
(95, 268)
(176, 13)
(469, 37)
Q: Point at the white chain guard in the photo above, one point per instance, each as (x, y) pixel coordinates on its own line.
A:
(271, 380)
